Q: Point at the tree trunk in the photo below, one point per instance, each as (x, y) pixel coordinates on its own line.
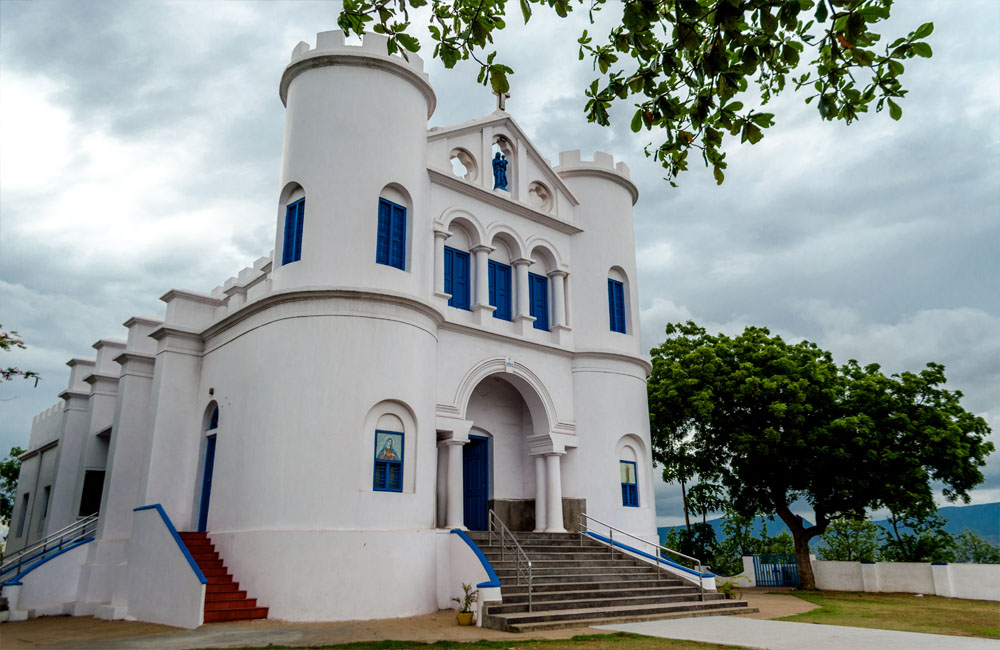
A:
(684, 497)
(807, 580)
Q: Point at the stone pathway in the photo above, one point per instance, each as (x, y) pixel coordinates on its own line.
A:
(783, 635)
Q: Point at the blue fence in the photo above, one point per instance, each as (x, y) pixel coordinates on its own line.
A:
(775, 571)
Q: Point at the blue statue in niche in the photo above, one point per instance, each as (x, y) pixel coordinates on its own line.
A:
(499, 172)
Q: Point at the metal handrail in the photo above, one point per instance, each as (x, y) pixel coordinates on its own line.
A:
(54, 541)
(584, 528)
(497, 527)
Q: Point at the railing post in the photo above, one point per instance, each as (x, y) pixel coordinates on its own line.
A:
(611, 536)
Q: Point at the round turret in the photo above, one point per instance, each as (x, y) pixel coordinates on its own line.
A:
(604, 293)
(354, 156)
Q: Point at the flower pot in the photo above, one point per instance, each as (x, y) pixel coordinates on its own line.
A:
(465, 618)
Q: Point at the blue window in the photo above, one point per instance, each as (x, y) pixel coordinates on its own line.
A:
(295, 214)
(391, 246)
(213, 422)
(616, 305)
(538, 298)
(630, 487)
(388, 461)
(456, 277)
(500, 289)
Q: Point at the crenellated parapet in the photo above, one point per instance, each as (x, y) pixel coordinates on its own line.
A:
(332, 49)
(603, 165)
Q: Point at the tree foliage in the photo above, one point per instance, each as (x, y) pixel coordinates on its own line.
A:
(970, 547)
(12, 341)
(697, 71)
(850, 540)
(10, 469)
(777, 423)
(917, 536)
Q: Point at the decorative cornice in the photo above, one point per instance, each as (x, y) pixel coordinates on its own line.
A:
(492, 198)
(152, 321)
(193, 296)
(614, 356)
(34, 452)
(606, 174)
(386, 64)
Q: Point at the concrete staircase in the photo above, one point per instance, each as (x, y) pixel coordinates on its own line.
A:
(224, 600)
(578, 585)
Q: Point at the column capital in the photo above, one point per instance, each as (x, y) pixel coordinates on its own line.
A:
(441, 233)
(482, 248)
(522, 261)
(558, 273)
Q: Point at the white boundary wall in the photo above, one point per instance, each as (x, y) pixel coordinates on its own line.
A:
(48, 589)
(971, 581)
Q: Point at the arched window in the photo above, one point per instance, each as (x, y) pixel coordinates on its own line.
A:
(295, 215)
(457, 269)
(389, 448)
(213, 420)
(617, 300)
(630, 483)
(392, 237)
(388, 475)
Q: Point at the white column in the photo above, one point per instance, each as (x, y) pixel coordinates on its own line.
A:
(455, 517)
(521, 273)
(554, 514)
(439, 237)
(482, 254)
(540, 504)
(558, 298)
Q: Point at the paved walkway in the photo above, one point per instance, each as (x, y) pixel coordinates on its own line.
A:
(782, 635)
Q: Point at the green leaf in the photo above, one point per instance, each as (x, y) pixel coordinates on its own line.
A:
(895, 112)
(922, 49)
(719, 176)
(409, 42)
(923, 31)
(525, 11)
(637, 121)
(821, 12)
(733, 107)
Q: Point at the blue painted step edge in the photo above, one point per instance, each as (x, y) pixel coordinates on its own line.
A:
(494, 581)
(16, 580)
(177, 538)
(663, 560)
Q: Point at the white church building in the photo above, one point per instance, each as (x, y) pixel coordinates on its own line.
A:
(448, 325)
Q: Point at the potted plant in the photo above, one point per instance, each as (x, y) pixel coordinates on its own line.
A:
(465, 604)
(729, 588)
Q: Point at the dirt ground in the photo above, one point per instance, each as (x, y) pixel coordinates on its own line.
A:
(85, 633)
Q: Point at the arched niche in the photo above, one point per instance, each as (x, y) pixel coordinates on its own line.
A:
(389, 415)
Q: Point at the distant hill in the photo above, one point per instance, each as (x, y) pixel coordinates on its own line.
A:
(983, 519)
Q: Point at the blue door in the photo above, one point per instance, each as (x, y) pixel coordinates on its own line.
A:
(206, 483)
(476, 458)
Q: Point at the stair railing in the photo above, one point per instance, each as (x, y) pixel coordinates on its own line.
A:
(56, 541)
(522, 565)
(585, 528)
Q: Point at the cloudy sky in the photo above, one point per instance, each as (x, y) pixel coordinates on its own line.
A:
(140, 147)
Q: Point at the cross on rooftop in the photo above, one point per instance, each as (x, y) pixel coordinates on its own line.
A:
(501, 100)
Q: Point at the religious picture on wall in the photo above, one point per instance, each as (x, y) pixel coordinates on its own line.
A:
(388, 445)
(628, 472)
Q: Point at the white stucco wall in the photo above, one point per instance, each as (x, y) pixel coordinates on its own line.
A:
(47, 589)
(163, 587)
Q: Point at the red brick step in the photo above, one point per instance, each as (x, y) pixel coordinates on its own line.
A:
(224, 600)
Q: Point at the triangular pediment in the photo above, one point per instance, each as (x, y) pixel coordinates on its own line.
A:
(530, 173)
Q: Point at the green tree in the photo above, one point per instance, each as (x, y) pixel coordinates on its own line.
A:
(696, 71)
(917, 535)
(779, 423)
(850, 540)
(10, 469)
(970, 547)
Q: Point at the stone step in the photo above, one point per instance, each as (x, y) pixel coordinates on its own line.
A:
(218, 596)
(520, 594)
(540, 615)
(591, 602)
(604, 561)
(634, 618)
(221, 605)
(220, 587)
(570, 571)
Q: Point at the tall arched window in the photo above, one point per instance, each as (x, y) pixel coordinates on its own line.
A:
(393, 233)
(618, 300)
(295, 215)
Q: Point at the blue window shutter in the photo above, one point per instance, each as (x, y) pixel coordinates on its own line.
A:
(449, 277)
(616, 305)
(388, 474)
(538, 298)
(384, 223)
(500, 289)
(397, 242)
(493, 283)
(300, 216)
(459, 279)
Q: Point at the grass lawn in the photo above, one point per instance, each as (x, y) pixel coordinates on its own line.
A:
(905, 612)
(620, 640)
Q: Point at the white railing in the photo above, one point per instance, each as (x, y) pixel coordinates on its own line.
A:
(522, 565)
(585, 520)
(13, 563)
